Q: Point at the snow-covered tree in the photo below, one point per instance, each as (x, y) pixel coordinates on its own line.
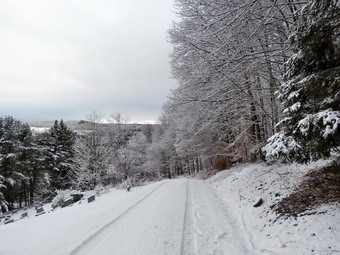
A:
(120, 132)
(227, 58)
(15, 168)
(311, 93)
(92, 154)
(157, 156)
(148, 131)
(130, 158)
(63, 142)
(42, 162)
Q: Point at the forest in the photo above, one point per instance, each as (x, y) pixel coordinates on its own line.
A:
(257, 80)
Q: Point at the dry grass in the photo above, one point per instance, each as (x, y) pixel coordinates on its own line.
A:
(320, 187)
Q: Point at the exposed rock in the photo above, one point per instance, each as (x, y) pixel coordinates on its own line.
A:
(258, 203)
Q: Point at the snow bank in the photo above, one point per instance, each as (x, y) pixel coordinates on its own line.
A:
(242, 186)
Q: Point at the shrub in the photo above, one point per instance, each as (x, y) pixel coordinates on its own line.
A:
(220, 163)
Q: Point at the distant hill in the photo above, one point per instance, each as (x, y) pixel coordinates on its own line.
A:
(49, 123)
(78, 125)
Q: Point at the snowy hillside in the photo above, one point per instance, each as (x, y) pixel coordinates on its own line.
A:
(183, 216)
(67, 229)
(79, 125)
(316, 232)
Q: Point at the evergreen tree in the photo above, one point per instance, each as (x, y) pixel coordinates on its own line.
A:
(63, 142)
(3, 187)
(42, 163)
(25, 154)
(311, 94)
(31, 167)
(15, 144)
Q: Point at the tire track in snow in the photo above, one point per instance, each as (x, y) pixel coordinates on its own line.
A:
(83, 245)
(209, 227)
(189, 235)
(185, 218)
(219, 229)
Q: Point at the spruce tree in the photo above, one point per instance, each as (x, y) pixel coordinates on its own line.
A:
(63, 142)
(42, 163)
(311, 93)
(15, 146)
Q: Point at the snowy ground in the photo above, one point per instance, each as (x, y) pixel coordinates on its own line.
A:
(242, 186)
(182, 216)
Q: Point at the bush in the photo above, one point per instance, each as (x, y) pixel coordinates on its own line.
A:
(220, 163)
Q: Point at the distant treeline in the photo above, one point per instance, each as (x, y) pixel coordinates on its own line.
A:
(35, 165)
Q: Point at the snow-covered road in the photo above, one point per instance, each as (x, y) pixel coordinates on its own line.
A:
(151, 226)
(181, 216)
(210, 226)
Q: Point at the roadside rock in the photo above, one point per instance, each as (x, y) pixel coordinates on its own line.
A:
(258, 203)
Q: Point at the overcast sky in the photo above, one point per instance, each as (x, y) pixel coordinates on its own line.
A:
(68, 58)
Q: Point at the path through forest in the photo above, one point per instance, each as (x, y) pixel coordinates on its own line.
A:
(177, 217)
(181, 216)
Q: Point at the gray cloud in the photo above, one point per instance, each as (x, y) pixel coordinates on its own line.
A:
(66, 58)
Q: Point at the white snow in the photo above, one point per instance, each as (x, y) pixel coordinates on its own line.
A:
(212, 226)
(182, 216)
(241, 186)
(39, 130)
(11, 181)
(329, 118)
(293, 108)
(280, 145)
(284, 120)
(64, 230)
(305, 123)
(293, 95)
